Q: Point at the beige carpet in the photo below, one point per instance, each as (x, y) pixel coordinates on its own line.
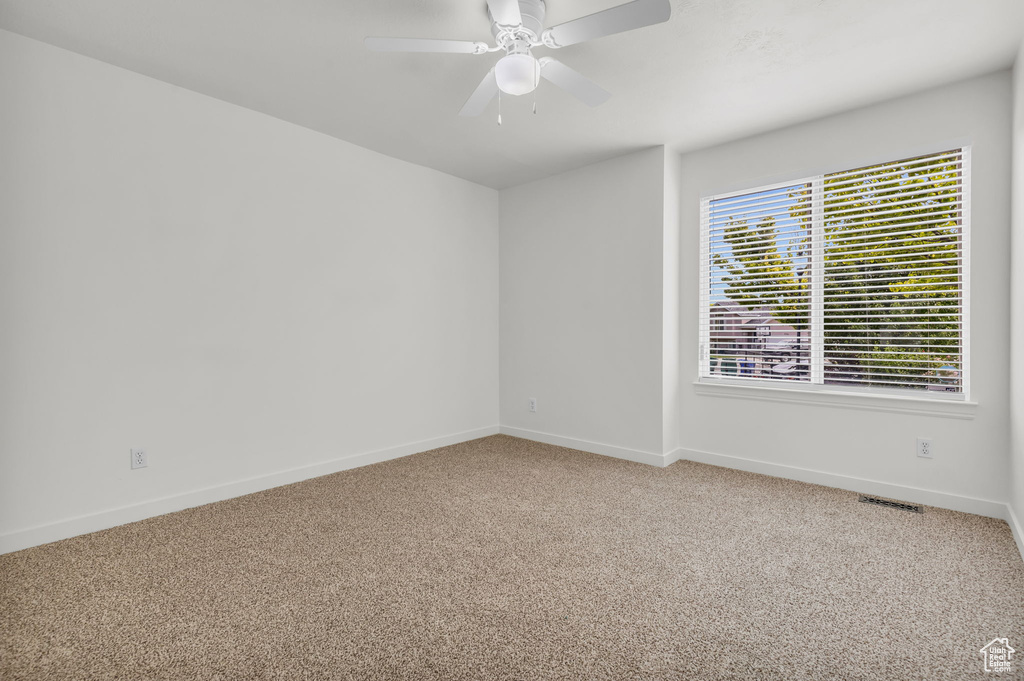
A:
(507, 559)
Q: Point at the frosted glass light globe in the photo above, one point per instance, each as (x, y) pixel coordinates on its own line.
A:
(517, 74)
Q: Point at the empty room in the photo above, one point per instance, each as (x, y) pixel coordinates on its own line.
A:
(512, 339)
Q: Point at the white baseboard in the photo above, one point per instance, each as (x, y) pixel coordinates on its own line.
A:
(659, 460)
(953, 502)
(93, 522)
(71, 527)
(1018, 531)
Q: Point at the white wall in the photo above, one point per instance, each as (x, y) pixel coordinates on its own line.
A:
(239, 296)
(845, 444)
(581, 306)
(1016, 477)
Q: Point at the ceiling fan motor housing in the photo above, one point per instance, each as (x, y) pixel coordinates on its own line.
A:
(532, 12)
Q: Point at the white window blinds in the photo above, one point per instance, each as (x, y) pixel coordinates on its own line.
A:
(850, 280)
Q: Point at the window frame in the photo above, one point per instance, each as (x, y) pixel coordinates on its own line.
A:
(800, 391)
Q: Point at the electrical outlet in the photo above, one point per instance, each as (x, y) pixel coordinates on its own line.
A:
(533, 405)
(924, 448)
(139, 459)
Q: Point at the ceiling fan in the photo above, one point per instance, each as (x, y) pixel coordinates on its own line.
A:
(518, 27)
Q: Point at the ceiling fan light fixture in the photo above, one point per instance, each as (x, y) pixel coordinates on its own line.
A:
(517, 74)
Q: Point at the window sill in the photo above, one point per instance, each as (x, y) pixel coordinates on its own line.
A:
(957, 409)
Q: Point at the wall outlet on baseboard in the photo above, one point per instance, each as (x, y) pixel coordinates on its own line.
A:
(532, 405)
(139, 459)
(924, 448)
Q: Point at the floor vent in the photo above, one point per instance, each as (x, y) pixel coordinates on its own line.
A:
(913, 508)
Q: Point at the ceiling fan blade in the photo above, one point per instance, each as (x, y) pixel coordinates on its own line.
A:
(505, 12)
(425, 45)
(636, 14)
(481, 97)
(579, 86)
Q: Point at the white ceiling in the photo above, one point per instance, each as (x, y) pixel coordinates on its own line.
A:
(717, 70)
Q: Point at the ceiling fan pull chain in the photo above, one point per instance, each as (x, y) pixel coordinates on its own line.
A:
(499, 107)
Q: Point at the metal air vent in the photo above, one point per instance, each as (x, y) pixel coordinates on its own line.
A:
(903, 506)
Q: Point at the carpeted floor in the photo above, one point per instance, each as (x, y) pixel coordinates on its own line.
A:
(507, 559)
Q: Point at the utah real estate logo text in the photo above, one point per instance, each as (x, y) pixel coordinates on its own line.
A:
(998, 655)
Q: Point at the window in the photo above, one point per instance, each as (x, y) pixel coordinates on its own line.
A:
(854, 280)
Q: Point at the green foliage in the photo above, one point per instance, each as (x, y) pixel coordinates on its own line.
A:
(757, 258)
(904, 266)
